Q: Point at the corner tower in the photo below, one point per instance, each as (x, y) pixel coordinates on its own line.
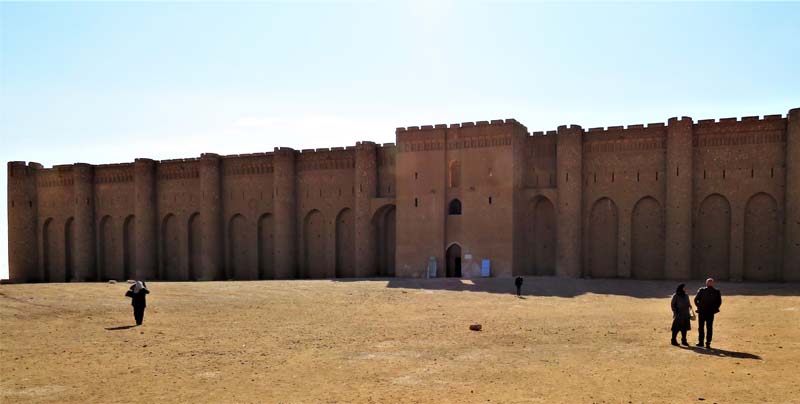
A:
(23, 264)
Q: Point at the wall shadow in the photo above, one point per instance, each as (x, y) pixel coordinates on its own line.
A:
(566, 287)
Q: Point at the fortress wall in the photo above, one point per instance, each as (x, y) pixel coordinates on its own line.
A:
(621, 168)
(247, 213)
(325, 197)
(682, 200)
(739, 176)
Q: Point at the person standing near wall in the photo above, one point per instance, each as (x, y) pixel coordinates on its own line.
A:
(518, 284)
(138, 292)
(681, 314)
(707, 300)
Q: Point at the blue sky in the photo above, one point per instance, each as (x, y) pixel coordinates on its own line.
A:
(109, 82)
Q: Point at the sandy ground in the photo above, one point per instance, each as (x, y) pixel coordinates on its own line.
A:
(573, 341)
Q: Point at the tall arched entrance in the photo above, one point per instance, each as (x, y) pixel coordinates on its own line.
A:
(453, 257)
(761, 248)
(266, 250)
(239, 249)
(128, 247)
(314, 245)
(384, 230)
(345, 244)
(106, 250)
(647, 239)
(603, 237)
(170, 248)
(543, 240)
(69, 249)
(712, 239)
(195, 246)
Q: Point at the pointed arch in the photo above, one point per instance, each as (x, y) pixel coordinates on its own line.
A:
(129, 248)
(761, 238)
(543, 243)
(266, 247)
(453, 261)
(49, 250)
(384, 225)
(454, 208)
(195, 246)
(170, 248)
(603, 237)
(712, 239)
(106, 249)
(69, 250)
(345, 244)
(647, 239)
(314, 252)
(239, 249)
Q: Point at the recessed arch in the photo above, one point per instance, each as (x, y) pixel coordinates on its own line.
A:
(543, 240)
(712, 238)
(314, 245)
(647, 239)
(239, 250)
(69, 250)
(761, 238)
(266, 246)
(384, 225)
(170, 248)
(49, 249)
(454, 207)
(128, 247)
(194, 245)
(345, 244)
(107, 268)
(603, 236)
(453, 261)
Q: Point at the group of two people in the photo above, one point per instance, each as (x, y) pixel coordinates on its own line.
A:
(708, 300)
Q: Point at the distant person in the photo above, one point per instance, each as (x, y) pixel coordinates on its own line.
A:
(518, 283)
(681, 314)
(138, 292)
(707, 300)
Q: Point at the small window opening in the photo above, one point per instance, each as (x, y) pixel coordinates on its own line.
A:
(723, 174)
(704, 174)
(752, 172)
(595, 177)
(416, 202)
(490, 200)
(772, 172)
(454, 208)
(612, 176)
(637, 175)
(416, 175)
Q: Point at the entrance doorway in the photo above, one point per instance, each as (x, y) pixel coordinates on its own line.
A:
(454, 261)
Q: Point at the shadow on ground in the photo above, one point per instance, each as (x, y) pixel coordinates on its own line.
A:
(723, 353)
(122, 327)
(565, 287)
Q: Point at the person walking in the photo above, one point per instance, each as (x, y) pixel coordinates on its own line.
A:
(138, 292)
(707, 300)
(681, 314)
(518, 283)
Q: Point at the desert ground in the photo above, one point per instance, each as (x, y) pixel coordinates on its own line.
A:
(398, 340)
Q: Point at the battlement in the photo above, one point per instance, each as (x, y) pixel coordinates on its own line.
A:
(743, 124)
(21, 169)
(494, 122)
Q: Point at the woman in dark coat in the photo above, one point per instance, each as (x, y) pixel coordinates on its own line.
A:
(681, 314)
(138, 293)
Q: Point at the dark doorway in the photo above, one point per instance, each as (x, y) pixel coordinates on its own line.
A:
(454, 261)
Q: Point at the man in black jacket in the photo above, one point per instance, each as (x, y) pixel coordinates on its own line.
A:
(707, 300)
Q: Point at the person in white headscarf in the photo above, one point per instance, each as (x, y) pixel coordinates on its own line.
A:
(138, 292)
